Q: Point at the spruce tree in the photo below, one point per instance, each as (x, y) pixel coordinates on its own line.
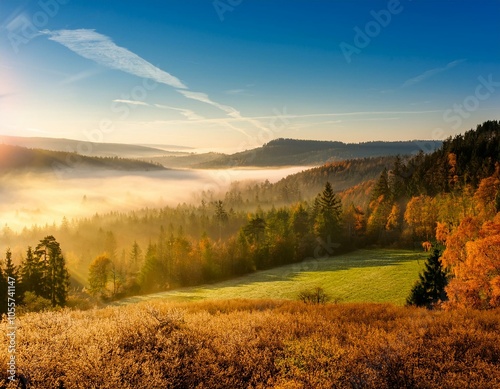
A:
(31, 274)
(10, 269)
(11, 274)
(328, 220)
(382, 187)
(430, 288)
(55, 276)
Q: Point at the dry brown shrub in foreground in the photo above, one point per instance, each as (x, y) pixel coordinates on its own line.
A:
(258, 344)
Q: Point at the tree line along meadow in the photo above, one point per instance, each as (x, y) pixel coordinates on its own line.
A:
(448, 199)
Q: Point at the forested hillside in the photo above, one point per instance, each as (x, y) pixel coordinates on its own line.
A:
(259, 226)
(342, 175)
(462, 160)
(284, 152)
(295, 152)
(24, 159)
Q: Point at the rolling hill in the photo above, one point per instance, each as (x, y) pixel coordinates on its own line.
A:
(284, 152)
(93, 149)
(295, 152)
(16, 158)
(276, 153)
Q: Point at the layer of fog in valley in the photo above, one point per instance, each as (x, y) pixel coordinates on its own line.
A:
(45, 198)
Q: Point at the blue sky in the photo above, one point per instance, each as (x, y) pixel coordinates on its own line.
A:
(229, 74)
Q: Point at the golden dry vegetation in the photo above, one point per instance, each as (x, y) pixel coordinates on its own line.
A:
(257, 344)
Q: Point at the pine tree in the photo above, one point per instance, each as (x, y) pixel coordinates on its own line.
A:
(31, 273)
(135, 257)
(221, 216)
(382, 187)
(255, 230)
(328, 220)
(11, 273)
(397, 179)
(300, 221)
(55, 276)
(430, 288)
(10, 270)
(151, 277)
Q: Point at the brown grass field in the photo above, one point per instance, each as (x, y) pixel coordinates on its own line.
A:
(257, 344)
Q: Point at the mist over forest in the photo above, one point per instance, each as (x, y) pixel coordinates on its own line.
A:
(45, 198)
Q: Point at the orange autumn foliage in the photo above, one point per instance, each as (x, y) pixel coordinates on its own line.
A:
(473, 254)
(485, 195)
(442, 232)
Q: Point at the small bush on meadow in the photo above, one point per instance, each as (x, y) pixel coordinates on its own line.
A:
(314, 296)
(34, 303)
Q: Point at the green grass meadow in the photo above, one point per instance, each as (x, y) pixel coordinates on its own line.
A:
(378, 275)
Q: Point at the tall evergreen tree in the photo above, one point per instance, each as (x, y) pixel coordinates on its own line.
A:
(328, 220)
(221, 216)
(55, 276)
(11, 272)
(10, 269)
(430, 288)
(382, 187)
(31, 273)
(397, 179)
(255, 230)
(152, 275)
(135, 258)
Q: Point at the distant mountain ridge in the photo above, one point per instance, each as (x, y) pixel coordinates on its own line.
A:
(296, 152)
(285, 152)
(92, 149)
(17, 158)
(276, 153)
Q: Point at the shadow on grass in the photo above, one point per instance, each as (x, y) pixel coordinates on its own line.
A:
(358, 259)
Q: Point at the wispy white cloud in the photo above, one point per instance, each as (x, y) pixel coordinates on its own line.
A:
(102, 50)
(355, 116)
(131, 102)
(230, 111)
(429, 73)
(191, 115)
(234, 91)
(80, 76)
(368, 119)
(203, 97)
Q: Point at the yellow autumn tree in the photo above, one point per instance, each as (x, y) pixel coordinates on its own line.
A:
(421, 216)
(486, 194)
